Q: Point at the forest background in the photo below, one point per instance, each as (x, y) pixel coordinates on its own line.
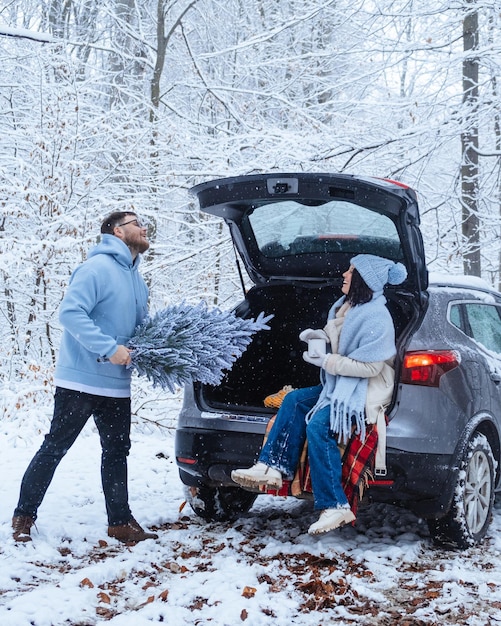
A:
(125, 104)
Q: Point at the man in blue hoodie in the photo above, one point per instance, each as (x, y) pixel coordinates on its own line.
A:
(105, 301)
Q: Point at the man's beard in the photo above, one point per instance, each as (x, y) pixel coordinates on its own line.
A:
(142, 246)
(138, 246)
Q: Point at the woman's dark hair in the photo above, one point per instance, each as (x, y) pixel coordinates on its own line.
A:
(359, 293)
(109, 223)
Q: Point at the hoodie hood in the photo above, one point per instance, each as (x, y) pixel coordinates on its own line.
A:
(116, 248)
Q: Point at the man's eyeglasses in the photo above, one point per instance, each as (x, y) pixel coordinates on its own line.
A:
(138, 223)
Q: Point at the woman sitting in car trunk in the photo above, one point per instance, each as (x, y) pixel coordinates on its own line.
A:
(356, 376)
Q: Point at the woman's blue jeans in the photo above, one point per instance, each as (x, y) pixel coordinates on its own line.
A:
(285, 442)
(72, 410)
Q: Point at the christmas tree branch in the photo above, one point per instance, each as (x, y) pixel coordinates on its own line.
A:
(184, 343)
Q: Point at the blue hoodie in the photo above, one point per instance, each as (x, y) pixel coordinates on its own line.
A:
(105, 301)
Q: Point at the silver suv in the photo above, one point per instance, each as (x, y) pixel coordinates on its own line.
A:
(296, 234)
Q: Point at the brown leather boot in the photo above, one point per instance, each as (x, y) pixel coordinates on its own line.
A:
(130, 532)
(21, 526)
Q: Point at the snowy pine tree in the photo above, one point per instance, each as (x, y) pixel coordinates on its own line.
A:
(184, 343)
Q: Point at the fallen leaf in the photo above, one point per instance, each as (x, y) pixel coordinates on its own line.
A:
(249, 592)
(182, 505)
(104, 597)
(268, 612)
(149, 600)
(149, 584)
(198, 604)
(87, 583)
(164, 595)
(244, 615)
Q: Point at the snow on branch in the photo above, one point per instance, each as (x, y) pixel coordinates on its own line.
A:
(24, 33)
(184, 343)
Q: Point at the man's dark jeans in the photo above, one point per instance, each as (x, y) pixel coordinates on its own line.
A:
(72, 409)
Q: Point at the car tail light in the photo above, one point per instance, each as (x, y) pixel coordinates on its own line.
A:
(186, 460)
(426, 368)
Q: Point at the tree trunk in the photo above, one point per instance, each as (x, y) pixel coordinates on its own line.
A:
(469, 146)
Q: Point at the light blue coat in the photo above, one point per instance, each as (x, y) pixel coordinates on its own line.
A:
(105, 301)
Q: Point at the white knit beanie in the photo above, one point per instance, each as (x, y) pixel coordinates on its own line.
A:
(377, 271)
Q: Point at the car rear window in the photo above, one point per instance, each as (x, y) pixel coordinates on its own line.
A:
(290, 228)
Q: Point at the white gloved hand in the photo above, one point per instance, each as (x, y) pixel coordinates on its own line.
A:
(314, 360)
(309, 333)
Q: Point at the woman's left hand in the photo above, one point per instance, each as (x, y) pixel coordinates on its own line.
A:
(314, 360)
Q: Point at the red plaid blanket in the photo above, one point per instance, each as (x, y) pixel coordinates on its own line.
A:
(358, 464)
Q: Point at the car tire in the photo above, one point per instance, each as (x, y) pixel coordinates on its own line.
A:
(469, 517)
(219, 504)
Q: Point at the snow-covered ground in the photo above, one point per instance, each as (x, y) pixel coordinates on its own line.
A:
(264, 569)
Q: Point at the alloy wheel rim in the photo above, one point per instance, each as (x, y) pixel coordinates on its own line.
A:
(477, 491)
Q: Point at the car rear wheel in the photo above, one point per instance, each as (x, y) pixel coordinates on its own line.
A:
(219, 504)
(471, 512)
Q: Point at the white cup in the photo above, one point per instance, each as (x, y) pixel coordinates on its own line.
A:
(316, 347)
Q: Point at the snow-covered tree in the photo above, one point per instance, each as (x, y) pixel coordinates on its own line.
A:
(128, 103)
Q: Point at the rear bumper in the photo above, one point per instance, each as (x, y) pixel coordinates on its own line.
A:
(423, 483)
(208, 456)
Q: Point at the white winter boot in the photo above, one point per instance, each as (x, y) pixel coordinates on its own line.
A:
(331, 519)
(259, 475)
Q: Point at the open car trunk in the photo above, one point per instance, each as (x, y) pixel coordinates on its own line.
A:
(296, 234)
